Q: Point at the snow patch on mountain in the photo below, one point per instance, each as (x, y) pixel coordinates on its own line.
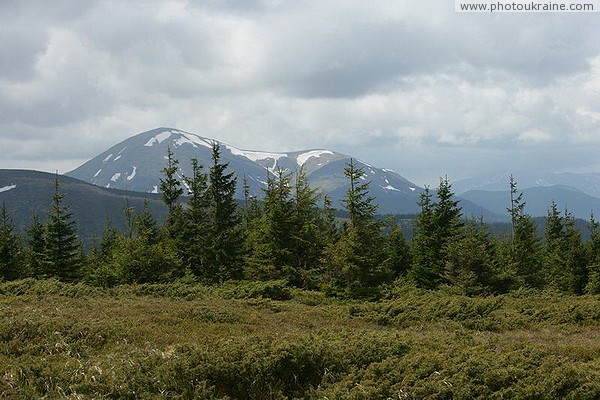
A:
(132, 174)
(390, 187)
(117, 157)
(115, 177)
(107, 158)
(256, 155)
(188, 138)
(304, 157)
(7, 188)
(97, 173)
(158, 139)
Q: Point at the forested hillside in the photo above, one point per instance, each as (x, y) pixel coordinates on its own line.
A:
(293, 234)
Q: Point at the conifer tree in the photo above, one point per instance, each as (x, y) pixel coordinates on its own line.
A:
(225, 240)
(553, 248)
(146, 225)
(11, 250)
(270, 236)
(146, 257)
(526, 260)
(193, 243)
(171, 192)
(437, 226)
(108, 239)
(574, 257)
(36, 244)
(62, 250)
(313, 229)
(423, 243)
(398, 257)
(470, 263)
(354, 264)
(99, 266)
(593, 257)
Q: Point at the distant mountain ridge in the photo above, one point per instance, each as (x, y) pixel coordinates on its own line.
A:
(538, 200)
(27, 192)
(586, 182)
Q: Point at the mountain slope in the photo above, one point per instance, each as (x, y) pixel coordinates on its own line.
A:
(137, 163)
(28, 192)
(586, 182)
(538, 200)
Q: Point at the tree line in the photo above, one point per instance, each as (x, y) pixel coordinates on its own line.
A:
(293, 234)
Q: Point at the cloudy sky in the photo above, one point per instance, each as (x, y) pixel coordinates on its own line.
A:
(402, 84)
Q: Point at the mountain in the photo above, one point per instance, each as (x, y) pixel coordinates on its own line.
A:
(538, 200)
(586, 182)
(136, 164)
(27, 192)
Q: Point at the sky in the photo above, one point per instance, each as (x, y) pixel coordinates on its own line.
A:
(411, 86)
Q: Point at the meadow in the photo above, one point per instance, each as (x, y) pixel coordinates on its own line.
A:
(267, 341)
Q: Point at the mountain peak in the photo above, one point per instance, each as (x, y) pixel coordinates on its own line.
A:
(137, 164)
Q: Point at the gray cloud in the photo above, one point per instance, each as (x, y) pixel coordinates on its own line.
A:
(411, 86)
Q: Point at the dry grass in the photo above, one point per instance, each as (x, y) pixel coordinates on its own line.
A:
(61, 341)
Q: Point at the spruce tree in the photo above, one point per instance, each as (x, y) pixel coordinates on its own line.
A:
(398, 257)
(62, 250)
(100, 271)
(225, 246)
(269, 238)
(313, 228)
(575, 271)
(171, 192)
(11, 250)
(593, 257)
(423, 244)
(526, 260)
(470, 263)
(36, 243)
(146, 257)
(553, 248)
(437, 226)
(354, 265)
(146, 225)
(193, 244)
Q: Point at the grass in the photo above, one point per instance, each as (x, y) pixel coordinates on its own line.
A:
(264, 341)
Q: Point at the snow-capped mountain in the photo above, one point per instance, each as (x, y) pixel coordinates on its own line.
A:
(137, 163)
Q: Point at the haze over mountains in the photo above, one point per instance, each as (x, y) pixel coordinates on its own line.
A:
(586, 182)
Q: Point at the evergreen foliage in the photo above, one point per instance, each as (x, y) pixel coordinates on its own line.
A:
(36, 244)
(398, 255)
(193, 243)
(270, 237)
(593, 257)
(294, 237)
(470, 262)
(225, 236)
(171, 190)
(11, 249)
(354, 264)
(437, 227)
(526, 259)
(62, 248)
